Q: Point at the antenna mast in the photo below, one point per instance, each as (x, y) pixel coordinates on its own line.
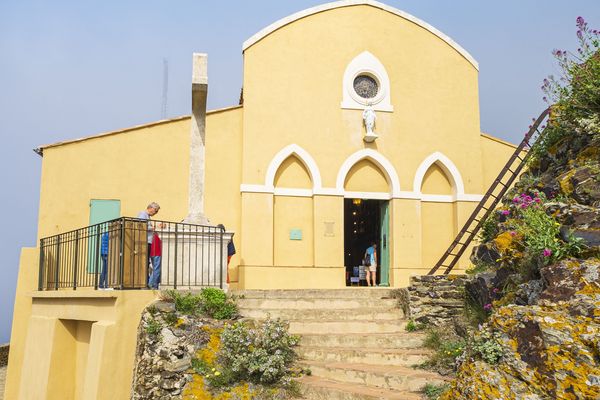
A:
(165, 90)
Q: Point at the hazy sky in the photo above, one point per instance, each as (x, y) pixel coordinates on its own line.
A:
(76, 68)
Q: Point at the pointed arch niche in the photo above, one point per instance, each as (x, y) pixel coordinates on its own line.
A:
(293, 175)
(439, 183)
(368, 174)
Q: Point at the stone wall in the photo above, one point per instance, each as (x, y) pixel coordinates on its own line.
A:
(4, 349)
(434, 299)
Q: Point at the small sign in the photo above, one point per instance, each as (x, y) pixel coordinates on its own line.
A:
(329, 229)
(296, 234)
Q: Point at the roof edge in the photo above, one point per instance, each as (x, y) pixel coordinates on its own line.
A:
(495, 139)
(348, 3)
(132, 128)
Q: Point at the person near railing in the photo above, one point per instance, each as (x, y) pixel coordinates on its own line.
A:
(156, 261)
(230, 249)
(104, 257)
(151, 210)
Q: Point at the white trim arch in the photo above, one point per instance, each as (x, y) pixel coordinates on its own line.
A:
(366, 64)
(304, 157)
(458, 188)
(379, 160)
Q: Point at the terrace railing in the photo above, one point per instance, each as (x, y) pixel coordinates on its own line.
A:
(116, 254)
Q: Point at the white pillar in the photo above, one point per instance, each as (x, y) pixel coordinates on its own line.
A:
(197, 140)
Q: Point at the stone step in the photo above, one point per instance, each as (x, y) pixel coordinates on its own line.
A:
(315, 388)
(379, 376)
(347, 293)
(301, 327)
(319, 303)
(382, 356)
(387, 314)
(402, 340)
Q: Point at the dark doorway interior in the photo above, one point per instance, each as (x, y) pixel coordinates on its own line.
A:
(362, 227)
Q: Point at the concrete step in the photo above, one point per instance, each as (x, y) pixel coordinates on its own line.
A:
(345, 293)
(315, 388)
(384, 314)
(301, 327)
(379, 376)
(398, 357)
(310, 303)
(402, 340)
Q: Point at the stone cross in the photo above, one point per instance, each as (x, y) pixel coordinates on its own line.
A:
(198, 140)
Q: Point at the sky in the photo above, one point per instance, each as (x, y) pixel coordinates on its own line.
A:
(70, 69)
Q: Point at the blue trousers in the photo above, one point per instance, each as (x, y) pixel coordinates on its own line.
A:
(102, 283)
(154, 279)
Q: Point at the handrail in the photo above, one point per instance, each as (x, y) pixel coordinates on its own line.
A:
(118, 254)
(510, 171)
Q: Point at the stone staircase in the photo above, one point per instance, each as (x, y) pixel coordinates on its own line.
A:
(354, 341)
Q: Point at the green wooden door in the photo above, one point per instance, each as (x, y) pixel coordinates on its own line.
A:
(384, 244)
(100, 211)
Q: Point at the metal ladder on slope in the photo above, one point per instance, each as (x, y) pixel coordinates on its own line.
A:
(492, 197)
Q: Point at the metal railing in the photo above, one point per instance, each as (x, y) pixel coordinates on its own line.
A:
(117, 254)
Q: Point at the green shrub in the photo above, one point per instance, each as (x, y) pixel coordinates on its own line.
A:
(216, 304)
(263, 355)
(486, 346)
(153, 327)
(434, 392)
(447, 346)
(216, 378)
(413, 326)
(170, 318)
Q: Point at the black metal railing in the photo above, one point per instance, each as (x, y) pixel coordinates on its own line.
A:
(131, 253)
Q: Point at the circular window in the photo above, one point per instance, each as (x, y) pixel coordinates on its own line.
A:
(366, 86)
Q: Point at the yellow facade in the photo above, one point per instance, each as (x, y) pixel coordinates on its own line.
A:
(279, 171)
(286, 159)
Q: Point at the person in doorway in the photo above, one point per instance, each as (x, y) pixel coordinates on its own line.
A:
(371, 261)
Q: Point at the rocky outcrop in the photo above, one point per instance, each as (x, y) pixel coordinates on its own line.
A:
(435, 299)
(551, 347)
(167, 343)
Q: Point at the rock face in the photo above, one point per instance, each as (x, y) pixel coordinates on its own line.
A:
(435, 299)
(541, 291)
(167, 342)
(551, 346)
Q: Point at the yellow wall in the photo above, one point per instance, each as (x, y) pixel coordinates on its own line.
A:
(72, 344)
(138, 166)
(222, 202)
(293, 174)
(293, 213)
(433, 90)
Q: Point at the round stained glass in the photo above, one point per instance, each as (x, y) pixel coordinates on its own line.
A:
(365, 86)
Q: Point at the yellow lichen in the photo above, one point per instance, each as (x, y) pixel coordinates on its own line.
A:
(208, 354)
(565, 182)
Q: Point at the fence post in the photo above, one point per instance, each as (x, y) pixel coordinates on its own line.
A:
(221, 247)
(175, 260)
(41, 276)
(75, 265)
(57, 262)
(122, 254)
(98, 257)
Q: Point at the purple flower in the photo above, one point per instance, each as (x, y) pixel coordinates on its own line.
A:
(513, 233)
(547, 253)
(516, 200)
(505, 212)
(487, 307)
(496, 290)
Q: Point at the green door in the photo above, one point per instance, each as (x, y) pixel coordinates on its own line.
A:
(100, 211)
(384, 243)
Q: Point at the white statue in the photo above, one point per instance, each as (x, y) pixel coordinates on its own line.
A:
(369, 118)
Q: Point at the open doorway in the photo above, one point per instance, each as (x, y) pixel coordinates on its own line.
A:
(365, 222)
